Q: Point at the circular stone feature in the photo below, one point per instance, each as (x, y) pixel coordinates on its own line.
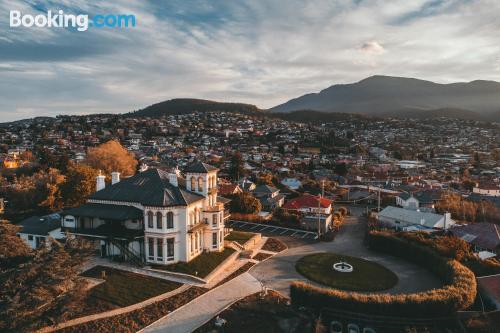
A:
(343, 267)
(365, 276)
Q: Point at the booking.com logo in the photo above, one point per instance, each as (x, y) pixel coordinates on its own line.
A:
(61, 20)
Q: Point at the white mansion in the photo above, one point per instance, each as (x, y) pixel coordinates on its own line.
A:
(152, 217)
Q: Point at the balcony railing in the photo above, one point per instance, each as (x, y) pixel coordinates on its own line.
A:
(197, 226)
(215, 208)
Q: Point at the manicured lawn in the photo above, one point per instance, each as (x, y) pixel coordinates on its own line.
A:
(367, 275)
(239, 236)
(123, 288)
(200, 266)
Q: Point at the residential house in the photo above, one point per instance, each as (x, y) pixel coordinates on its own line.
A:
(151, 217)
(314, 211)
(229, 189)
(484, 237)
(420, 199)
(489, 288)
(489, 189)
(36, 230)
(269, 197)
(292, 183)
(414, 220)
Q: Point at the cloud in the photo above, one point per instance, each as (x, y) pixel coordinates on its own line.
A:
(372, 47)
(261, 52)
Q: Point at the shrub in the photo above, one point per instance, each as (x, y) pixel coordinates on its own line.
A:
(458, 293)
(342, 211)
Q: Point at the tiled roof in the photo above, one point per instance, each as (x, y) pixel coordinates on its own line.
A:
(200, 167)
(485, 235)
(104, 211)
(37, 225)
(229, 189)
(265, 189)
(491, 285)
(307, 201)
(411, 216)
(149, 188)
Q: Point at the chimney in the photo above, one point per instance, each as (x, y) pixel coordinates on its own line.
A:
(115, 177)
(172, 177)
(447, 220)
(101, 184)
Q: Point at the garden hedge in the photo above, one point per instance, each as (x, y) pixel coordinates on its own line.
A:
(458, 292)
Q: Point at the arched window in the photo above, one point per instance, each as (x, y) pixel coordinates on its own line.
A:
(170, 220)
(200, 184)
(159, 220)
(150, 219)
(193, 187)
(191, 218)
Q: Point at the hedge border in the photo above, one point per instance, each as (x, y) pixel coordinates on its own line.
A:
(458, 293)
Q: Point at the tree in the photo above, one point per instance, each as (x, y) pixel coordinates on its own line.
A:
(112, 156)
(236, 169)
(245, 203)
(53, 200)
(477, 160)
(39, 287)
(80, 183)
(265, 179)
(341, 169)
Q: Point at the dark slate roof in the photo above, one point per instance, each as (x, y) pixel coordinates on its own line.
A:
(37, 225)
(476, 197)
(200, 167)
(405, 196)
(149, 188)
(265, 189)
(107, 212)
(422, 196)
(485, 235)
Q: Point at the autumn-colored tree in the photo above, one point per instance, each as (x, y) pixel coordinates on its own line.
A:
(39, 287)
(80, 183)
(265, 179)
(245, 203)
(112, 156)
(53, 200)
(35, 194)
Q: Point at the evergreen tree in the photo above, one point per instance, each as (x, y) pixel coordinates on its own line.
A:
(39, 287)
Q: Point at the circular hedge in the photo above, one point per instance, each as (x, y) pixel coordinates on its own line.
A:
(366, 276)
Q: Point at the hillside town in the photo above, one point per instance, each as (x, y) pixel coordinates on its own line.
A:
(189, 206)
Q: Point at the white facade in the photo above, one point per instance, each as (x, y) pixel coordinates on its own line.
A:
(181, 233)
(35, 241)
(491, 191)
(410, 203)
(401, 218)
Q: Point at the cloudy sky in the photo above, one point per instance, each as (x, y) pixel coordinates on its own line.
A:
(262, 52)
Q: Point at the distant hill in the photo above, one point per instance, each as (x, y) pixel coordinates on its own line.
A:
(399, 96)
(189, 105)
(317, 116)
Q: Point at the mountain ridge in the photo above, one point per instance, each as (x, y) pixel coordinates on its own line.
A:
(381, 95)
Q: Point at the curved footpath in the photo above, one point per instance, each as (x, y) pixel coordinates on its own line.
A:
(196, 313)
(279, 271)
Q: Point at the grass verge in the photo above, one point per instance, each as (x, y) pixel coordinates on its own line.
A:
(123, 288)
(366, 276)
(200, 266)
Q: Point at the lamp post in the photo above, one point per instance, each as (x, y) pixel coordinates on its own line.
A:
(319, 206)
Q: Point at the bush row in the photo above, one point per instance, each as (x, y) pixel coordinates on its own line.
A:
(458, 292)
